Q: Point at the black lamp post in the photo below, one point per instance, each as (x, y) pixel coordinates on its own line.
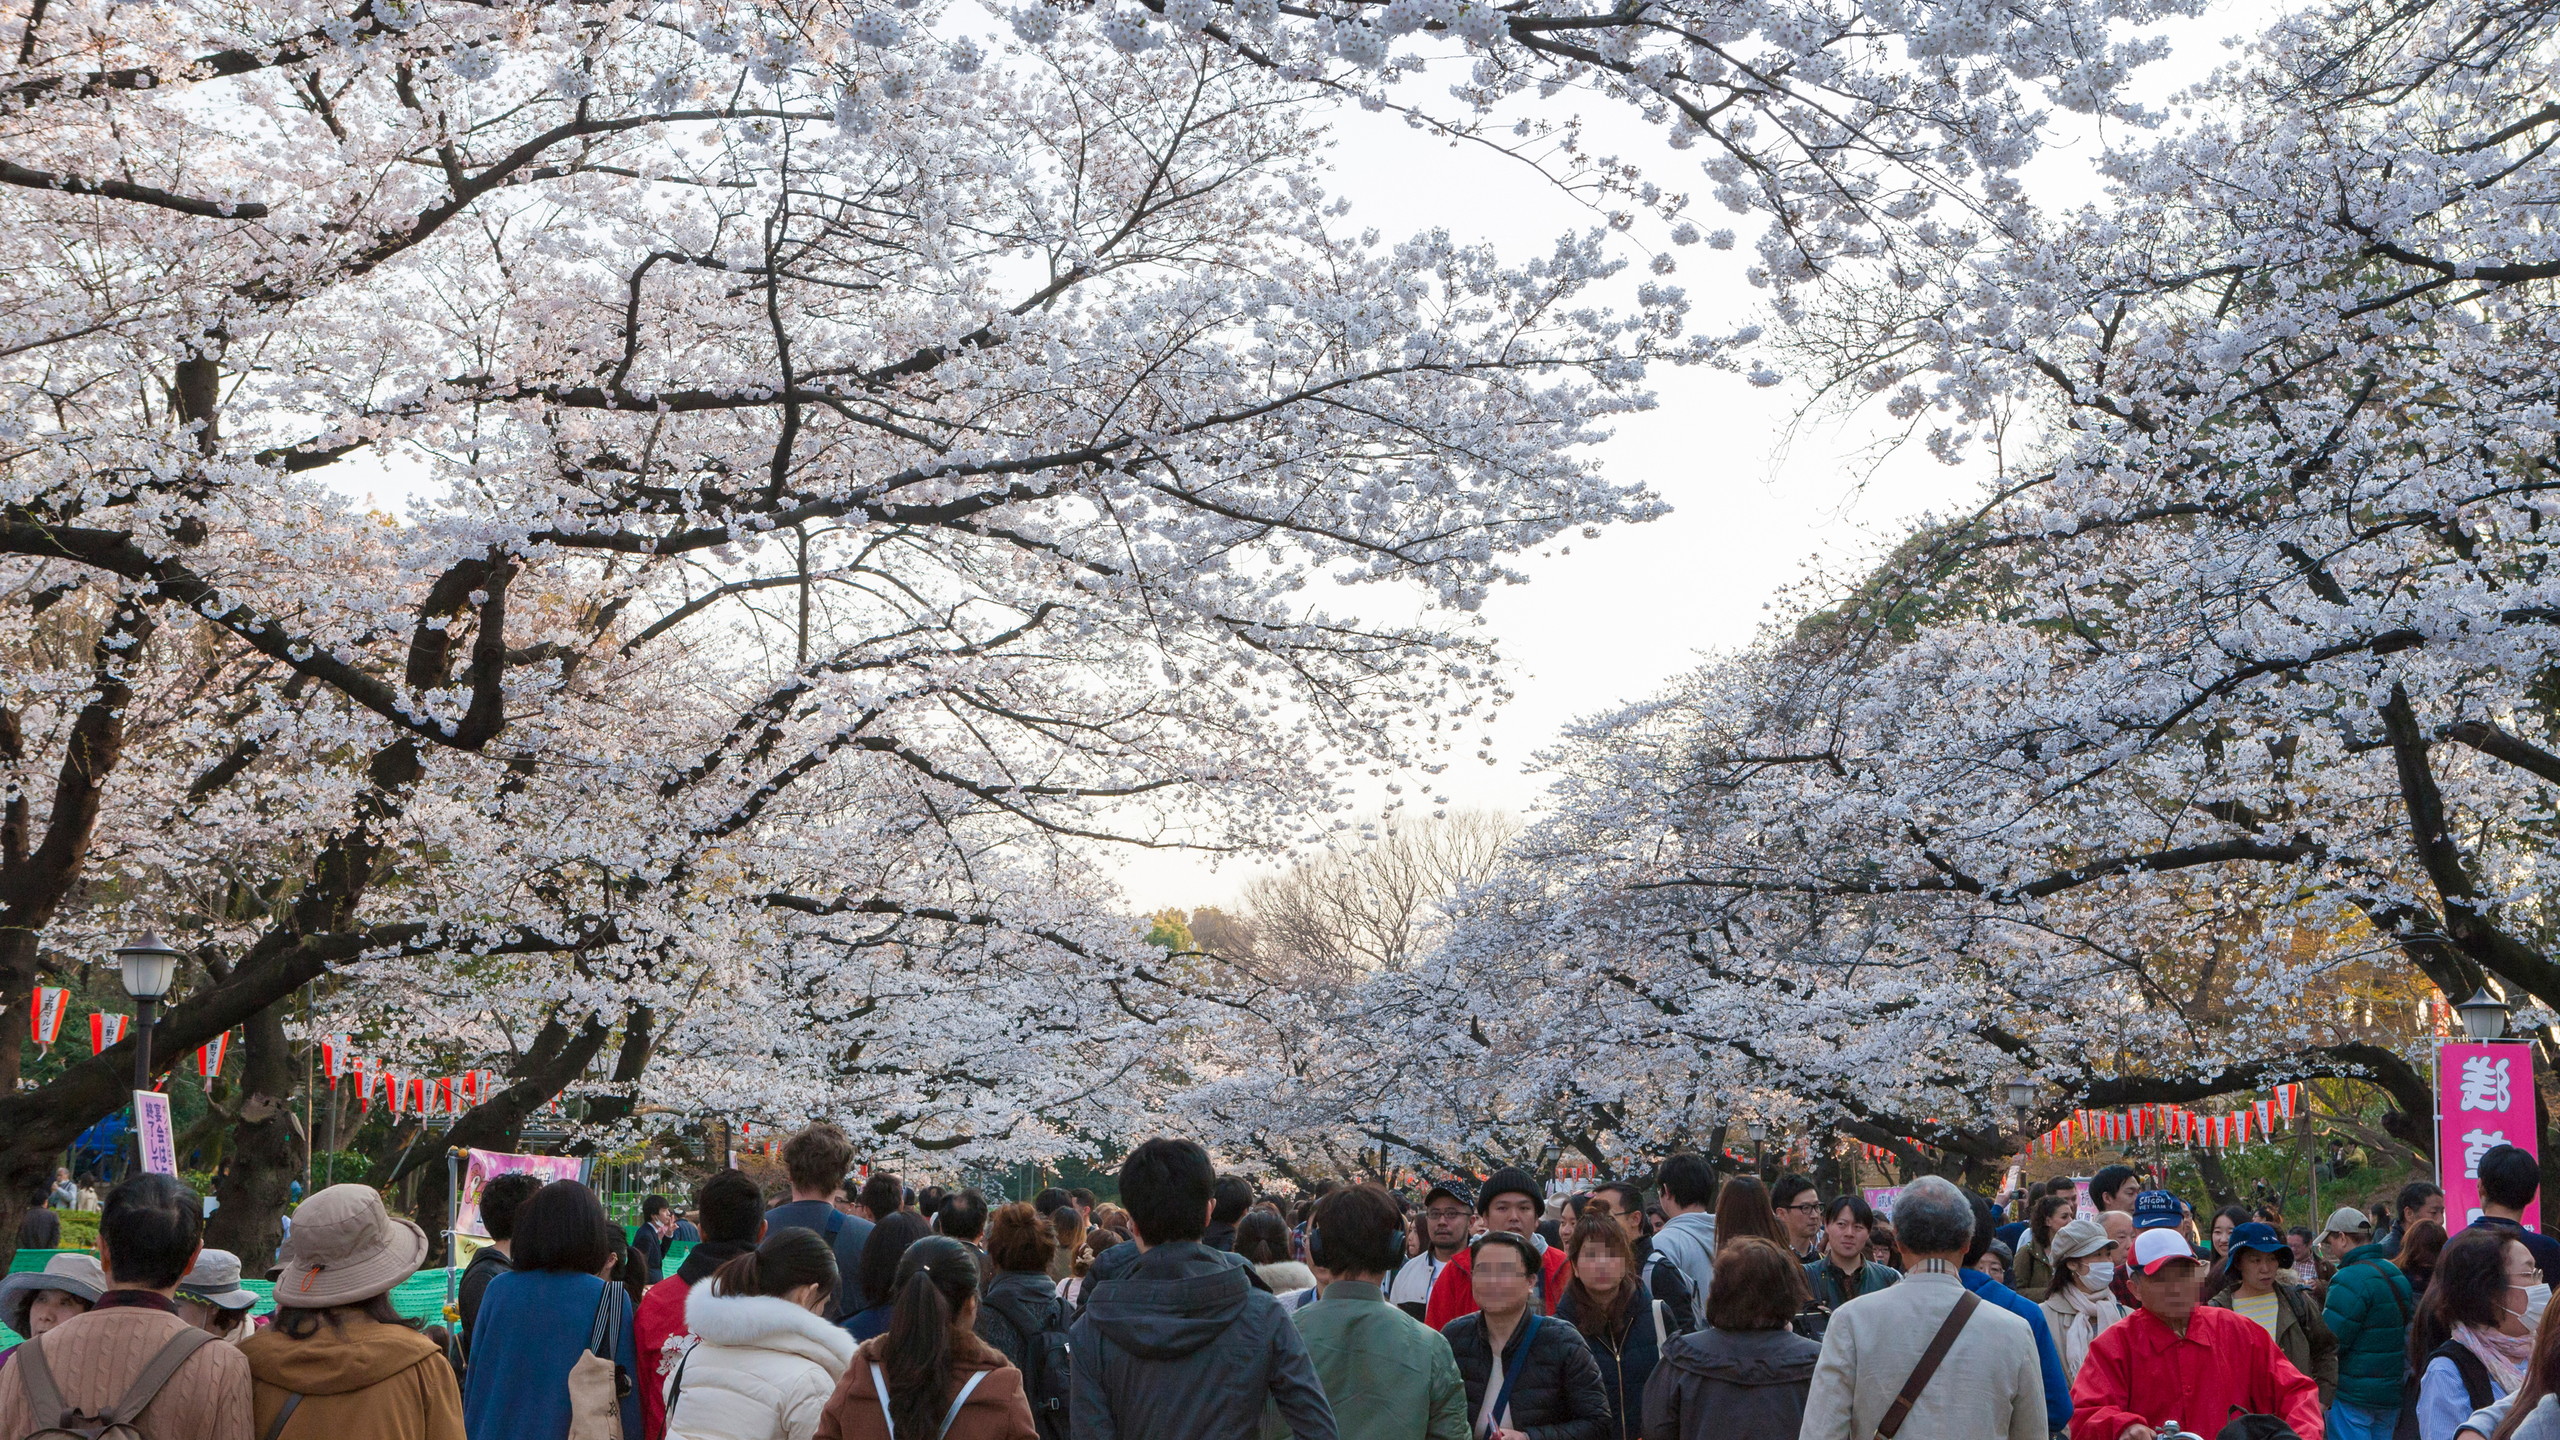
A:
(148, 969)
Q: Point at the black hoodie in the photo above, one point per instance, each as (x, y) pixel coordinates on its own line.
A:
(1179, 1345)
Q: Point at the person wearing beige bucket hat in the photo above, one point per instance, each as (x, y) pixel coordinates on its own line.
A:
(35, 1301)
(339, 1362)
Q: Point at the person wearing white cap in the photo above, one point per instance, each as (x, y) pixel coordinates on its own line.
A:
(339, 1363)
(2082, 1303)
(211, 1298)
(2174, 1360)
(37, 1300)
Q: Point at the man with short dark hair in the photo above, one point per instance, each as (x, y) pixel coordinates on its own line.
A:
(2509, 1179)
(649, 1237)
(1799, 1207)
(1687, 1239)
(817, 1158)
(1178, 1344)
(2115, 1187)
(883, 1195)
(1234, 1196)
(499, 1197)
(2420, 1202)
(732, 1211)
(1400, 1370)
(963, 1217)
(148, 1238)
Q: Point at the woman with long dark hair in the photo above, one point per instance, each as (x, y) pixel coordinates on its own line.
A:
(539, 1320)
(881, 1251)
(1744, 1209)
(765, 1360)
(930, 1377)
(2419, 1247)
(1608, 1301)
(2472, 1337)
(2032, 1275)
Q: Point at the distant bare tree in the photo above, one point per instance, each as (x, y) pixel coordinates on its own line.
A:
(1334, 918)
(1233, 938)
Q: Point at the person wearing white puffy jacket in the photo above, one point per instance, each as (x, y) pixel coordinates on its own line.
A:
(764, 1357)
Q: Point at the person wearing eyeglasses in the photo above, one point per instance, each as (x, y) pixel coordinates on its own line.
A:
(1799, 1208)
(1446, 1213)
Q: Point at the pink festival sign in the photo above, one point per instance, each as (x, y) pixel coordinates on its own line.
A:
(487, 1165)
(2484, 1099)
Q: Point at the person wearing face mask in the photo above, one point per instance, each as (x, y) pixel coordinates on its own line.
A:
(2081, 1304)
(2473, 1335)
(2259, 1284)
(2176, 1360)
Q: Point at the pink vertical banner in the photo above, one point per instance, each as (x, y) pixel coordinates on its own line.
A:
(2484, 1099)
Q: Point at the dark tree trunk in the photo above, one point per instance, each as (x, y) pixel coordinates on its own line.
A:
(555, 1059)
(2217, 1181)
(267, 1148)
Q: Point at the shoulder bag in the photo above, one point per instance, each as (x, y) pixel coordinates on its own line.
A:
(1939, 1345)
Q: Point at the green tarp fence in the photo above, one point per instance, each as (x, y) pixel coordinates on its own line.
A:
(420, 1297)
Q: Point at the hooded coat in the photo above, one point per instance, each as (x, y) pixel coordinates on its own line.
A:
(1730, 1385)
(761, 1368)
(359, 1379)
(1179, 1345)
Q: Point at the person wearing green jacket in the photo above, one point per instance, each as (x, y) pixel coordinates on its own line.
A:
(1388, 1375)
(2368, 1310)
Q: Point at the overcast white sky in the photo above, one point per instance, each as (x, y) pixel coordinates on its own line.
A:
(1754, 494)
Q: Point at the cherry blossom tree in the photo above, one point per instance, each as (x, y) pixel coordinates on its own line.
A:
(845, 475)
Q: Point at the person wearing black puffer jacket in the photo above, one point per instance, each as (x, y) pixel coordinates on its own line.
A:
(1549, 1385)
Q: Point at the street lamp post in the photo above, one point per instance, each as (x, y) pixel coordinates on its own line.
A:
(2022, 1099)
(2484, 1016)
(148, 969)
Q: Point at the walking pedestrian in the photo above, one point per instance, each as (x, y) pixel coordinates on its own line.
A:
(649, 1237)
(2057, 1386)
(1067, 1223)
(32, 1302)
(2419, 1250)
(2033, 1276)
(557, 1305)
(2509, 1179)
(1746, 1375)
(500, 1197)
(817, 1159)
(2368, 1309)
(2420, 1202)
(1988, 1382)
(1234, 1197)
(211, 1297)
(1843, 1272)
(1446, 1210)
(2258, 1283)
(881, 1251)
(1263, 1240)
(2081, 1303)
(1507, 1203)
(2473, 1335)
(1626, 1327)
(1623, 1203)
(1524, 1372)
(2217, 1252)
(2174, 1359)
(1798, 1206)
(1687, 1238)
(764, 1359)
(1177, 1344)
(1021, 1314)
(732, 1212)
(148, 1236)
(1885, 1248)
(929, 1374)
(1387, 1375)
(1744, 1209)
(339, 1362)
(2114, 1188)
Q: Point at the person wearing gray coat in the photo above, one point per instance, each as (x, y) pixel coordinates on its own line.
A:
(1745, 1376)
(1177, 1344)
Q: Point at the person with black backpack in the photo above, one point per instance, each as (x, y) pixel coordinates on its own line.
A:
(1022, 1316)
(2473, 1336)
(131, 1359)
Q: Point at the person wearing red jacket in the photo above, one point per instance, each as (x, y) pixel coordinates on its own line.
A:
(2173, 1360)
(1509, 1200)
(732, 1211)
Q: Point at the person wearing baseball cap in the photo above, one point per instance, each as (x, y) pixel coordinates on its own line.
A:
(339, 1361)
(2368, 1307)
(1509, 1200)
(1447, 1208)
(2174, 1360)
(2158, 1210)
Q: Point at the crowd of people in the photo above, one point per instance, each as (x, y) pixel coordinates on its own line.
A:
(1722, 1308)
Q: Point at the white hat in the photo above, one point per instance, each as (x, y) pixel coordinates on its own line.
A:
(2155, 1248)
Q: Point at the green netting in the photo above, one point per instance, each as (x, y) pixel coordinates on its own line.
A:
(420, 1297)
